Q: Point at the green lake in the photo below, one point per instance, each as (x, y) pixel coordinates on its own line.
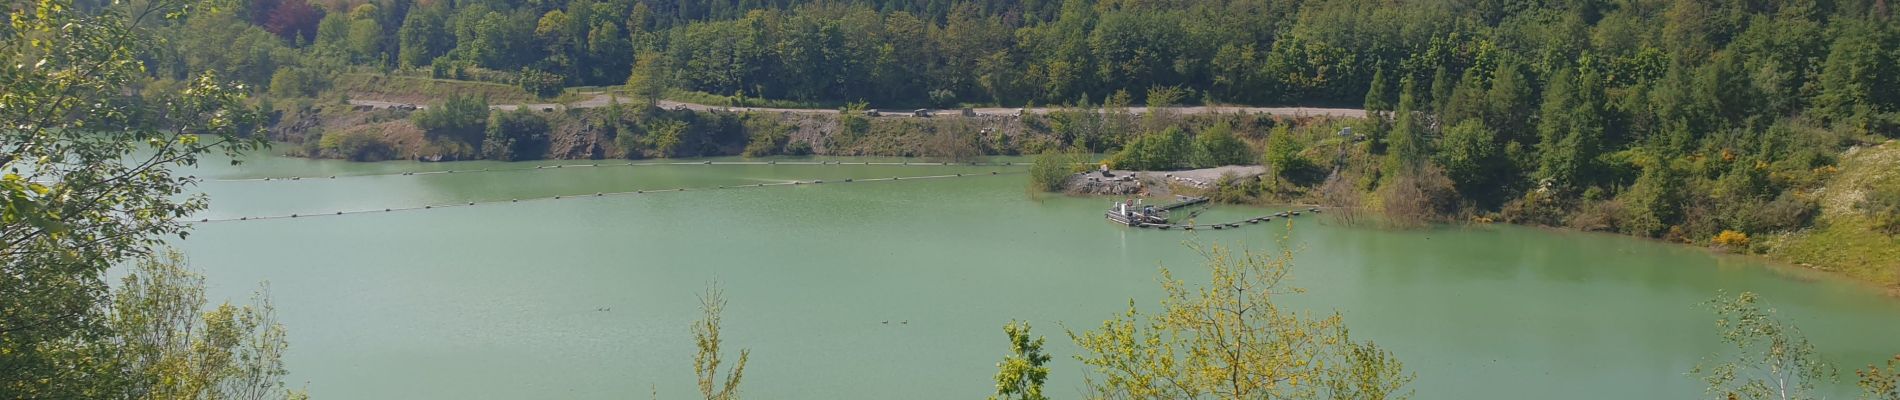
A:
(899, 289)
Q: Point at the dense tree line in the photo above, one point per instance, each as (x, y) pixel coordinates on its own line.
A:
(1243, 51)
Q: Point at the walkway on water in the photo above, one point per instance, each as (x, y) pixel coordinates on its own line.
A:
(1229, 225)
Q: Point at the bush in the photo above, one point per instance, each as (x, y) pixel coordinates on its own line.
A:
(542, 84)
(516, 135)
(1052, 168)
(1166, 150)
(1216, 146)
(1731, 239)
(1882, 204)
(460, 118)
(1283, 159)
(767, 137)
(1419, 198)
(357, 145)
(293, 82)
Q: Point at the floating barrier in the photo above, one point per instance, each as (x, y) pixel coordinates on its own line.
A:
(562, 197)
(1227, 225)
(598, 165)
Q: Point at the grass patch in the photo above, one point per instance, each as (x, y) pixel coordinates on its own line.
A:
(1845, 239)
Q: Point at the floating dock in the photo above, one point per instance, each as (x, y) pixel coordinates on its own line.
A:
(1134, 215)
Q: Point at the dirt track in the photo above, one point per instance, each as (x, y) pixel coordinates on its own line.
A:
(602, 100)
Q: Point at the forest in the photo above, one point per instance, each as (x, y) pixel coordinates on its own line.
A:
(1690, 120)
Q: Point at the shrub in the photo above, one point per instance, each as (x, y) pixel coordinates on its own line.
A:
(460, 118)
(542, 84)
(1166, 150)
(516, 135)
(357, 145)
(1419, 198)
(1882, 205)
(1731, 239)
(1052, 168)
(291, 82)
(1216, 146)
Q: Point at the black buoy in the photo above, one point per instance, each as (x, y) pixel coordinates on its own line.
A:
(847, 179)
(471, 203)
(244, 218)
(557, 197)
(339, 213)
(427, 207)
(293, 215)
(992, 172)
(597, 194)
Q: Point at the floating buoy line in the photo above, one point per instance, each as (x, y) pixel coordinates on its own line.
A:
(597, 194)
(1229, 225)
(619, 164)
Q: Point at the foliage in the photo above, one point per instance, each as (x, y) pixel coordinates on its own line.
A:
(1731, 239)
(652, 75)
(170, 347)
(1231, 339)
(668, 137)
(521, 134)
(356, 145)
(459, 118)
(1653, 200)
(1216, 146)
(1165, 150)
(295, 82)
(540, 83)
(1021, 373)
(1769, 357)
(707, 361)
(1417, 198)
(1474, 159)
(768, 137)
(1052, 169)
(89, 183)
(1282, 156)
(1880, 384)
(1882, 203)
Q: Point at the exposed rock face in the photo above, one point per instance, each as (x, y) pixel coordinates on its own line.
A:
(1153, 183)
(1116, 183)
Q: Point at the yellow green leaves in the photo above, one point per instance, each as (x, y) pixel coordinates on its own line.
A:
(1229, 340)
